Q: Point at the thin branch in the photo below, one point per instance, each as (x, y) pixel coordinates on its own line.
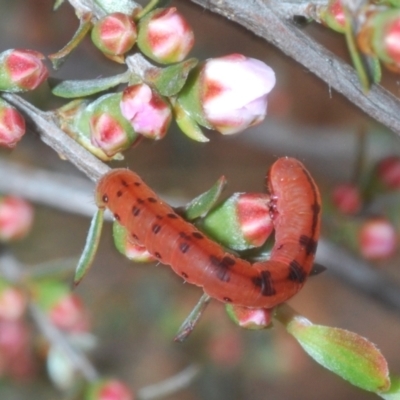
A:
(263, 18)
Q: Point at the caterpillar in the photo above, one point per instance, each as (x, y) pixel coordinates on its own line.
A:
(295, 208)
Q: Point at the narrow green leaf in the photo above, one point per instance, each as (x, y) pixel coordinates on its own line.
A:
(170, 80)
(345, 353)
(57, 4)
(203, 203)
(73, 89)
(91, 245)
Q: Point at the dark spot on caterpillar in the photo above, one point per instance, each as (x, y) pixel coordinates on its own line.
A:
(137, 183)
(315, 208)
(265, 283)
(279, 247)
(184, 235)
(119, 193)
(157, 255)
(117, 217)
(184, 247)
(105, 198)
(309, 243)
(134, 236)
(197, 235)
(124, 183)
(172, 216)
(222, 267)
(227, 299)
(135, 211)
(151, 200)
(296, 272)
(140, 201)
(185, 275)
(156, 228)
(159, 217)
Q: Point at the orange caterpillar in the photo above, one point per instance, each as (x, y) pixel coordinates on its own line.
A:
(295, 208)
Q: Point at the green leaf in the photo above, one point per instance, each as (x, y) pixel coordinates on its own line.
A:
(91, 245)
(345, 353)
(170, 80)
(202, 204)
(57, 4)
(73, 89)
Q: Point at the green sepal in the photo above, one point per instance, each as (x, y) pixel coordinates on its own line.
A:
(345, 353)
(170, 80)
(47, 292)
(202, 204)
(222, 224)
(85, 24)
(83, 88)
(151, 5)
(57, 4)
(188, 125)
(120, 237)
(91, 245)
(394, 392)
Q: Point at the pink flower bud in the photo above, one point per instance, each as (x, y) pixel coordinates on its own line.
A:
(70, 314)
(388, 171)
(377, 239)
(12, 303)
(250, 318)
(254, 217)
(165, 36)
(228, 94)
(333, 16)
(115, 34)
(21, 70)
(109, 389)
(109, 130)
(12, 125)
(16, 218)
(149, 114)
(347, 198)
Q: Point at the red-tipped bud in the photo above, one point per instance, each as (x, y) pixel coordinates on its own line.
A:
(333, 16)
(250, 318)
(12, 125)
(115, 34)
(16, 218)
(377, 239)
(109, 389)
(165, 36)
(149, 113)
(241, 222)
(228, 94)
(21, 70)
(69, 314)
(347, 198)
(12, 302)
(388, 171)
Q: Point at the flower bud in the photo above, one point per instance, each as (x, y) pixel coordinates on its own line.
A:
(131, 250)
(388, 172)
(12, 125)
(21, 70)
(115, 34)
(149, 113)
(333, 16)
(347, 198)
(109, 130)
(12, 302)
(165, 36)
(16, 218)
(250, 318)
(241, 222)
(377, 239)
(109, 389)
(69, 314)
(228, 94)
